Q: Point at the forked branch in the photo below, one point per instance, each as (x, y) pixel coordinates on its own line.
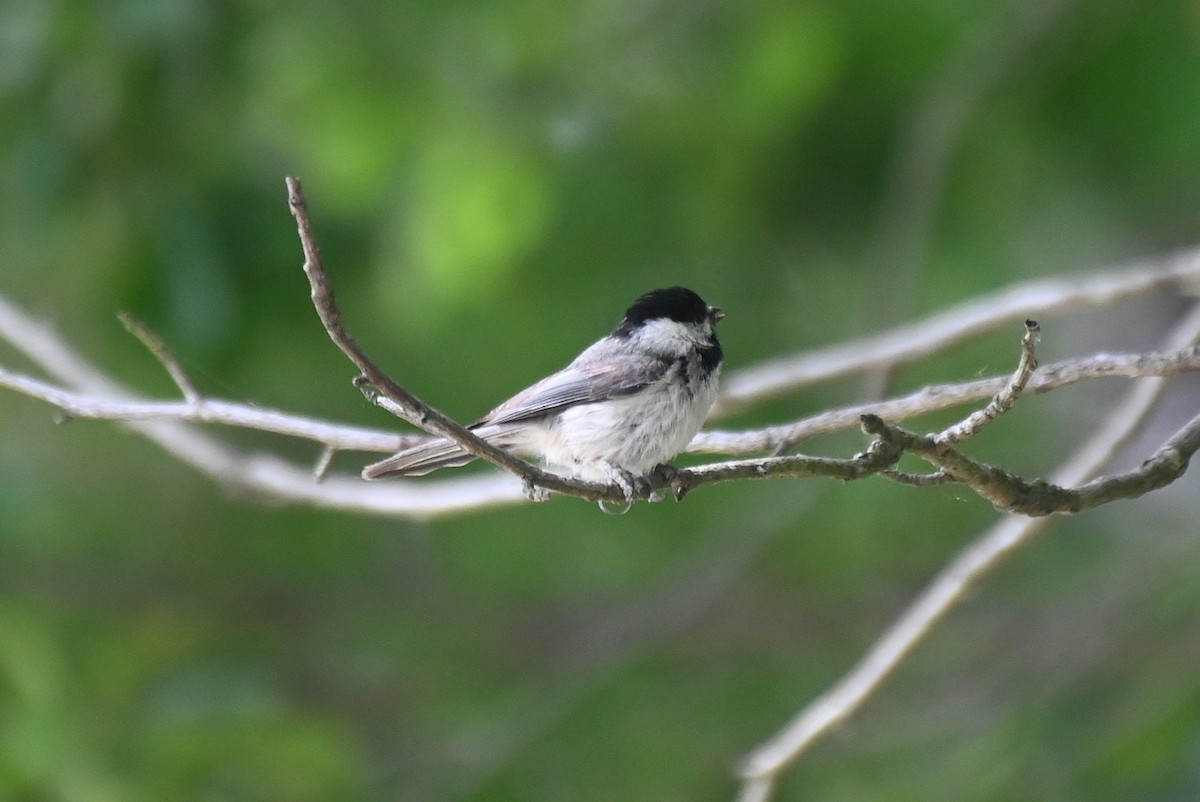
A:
(762, 768)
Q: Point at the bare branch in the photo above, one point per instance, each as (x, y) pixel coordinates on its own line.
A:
(287, 483)
(1004, 400)
(129, 408)
(1125, 420)
(321, 469)
(155, 345)
(944, 396)
(905, 344)
(1010, 493)
(762, 768)
(407, 405)
(346, 437)
(254, 472)
(411, 408)
(91, 394)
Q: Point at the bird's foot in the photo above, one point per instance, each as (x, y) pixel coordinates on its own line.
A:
(631, 487)
(672, 477)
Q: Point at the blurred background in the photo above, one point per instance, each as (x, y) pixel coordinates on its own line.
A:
(492, 183)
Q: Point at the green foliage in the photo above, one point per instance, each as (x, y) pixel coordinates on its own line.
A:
(492, 182)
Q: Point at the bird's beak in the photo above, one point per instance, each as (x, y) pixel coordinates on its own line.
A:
(715, 314)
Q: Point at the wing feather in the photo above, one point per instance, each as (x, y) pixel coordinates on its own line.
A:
(581, 383)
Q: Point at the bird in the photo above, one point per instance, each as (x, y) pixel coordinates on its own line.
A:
(619, 411)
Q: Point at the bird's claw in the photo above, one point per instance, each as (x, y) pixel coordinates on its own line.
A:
(631, 487)
(673, 478)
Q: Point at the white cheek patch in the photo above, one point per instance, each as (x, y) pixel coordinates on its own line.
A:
(668, 336)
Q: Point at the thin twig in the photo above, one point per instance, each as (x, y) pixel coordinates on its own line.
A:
(156, 346)
(1004, 400)
(324, 461)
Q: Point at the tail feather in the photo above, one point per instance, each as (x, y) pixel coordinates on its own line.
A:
(419, 460)
(429, 457)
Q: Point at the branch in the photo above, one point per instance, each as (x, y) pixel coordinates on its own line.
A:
(762, 768)
(346, 437)
(904, 344)
(939, 397)
(1010, 493)
(86, 392)
(1004, 400)
(129, 409)
(249, 471)
(159, 420)
(413, 409)
(158, 348)
(1003, 489)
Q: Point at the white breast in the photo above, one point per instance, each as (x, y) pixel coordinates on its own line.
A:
(635, 433)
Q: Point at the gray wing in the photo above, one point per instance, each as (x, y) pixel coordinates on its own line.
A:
(581, 382)
(585, 381)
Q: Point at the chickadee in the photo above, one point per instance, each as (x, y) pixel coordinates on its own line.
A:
(626, 405)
